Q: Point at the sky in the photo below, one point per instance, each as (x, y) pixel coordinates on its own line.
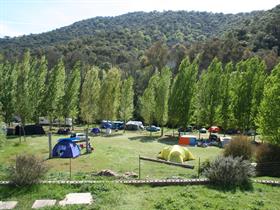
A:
(19, 17)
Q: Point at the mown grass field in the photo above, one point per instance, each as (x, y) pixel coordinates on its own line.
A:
(119, 152)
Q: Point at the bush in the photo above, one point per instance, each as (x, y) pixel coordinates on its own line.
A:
(229, 171)
(268, 160)
(27, 171)
(2, 134)
(239, 147)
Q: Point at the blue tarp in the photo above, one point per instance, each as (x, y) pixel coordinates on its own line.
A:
(66, 149)
(69, 139)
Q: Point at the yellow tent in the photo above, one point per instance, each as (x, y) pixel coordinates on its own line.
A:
(176, 154)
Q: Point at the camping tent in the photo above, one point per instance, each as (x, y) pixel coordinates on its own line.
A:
(176, 154)
(134, 125)
(30, 130)
(187, 140)
(66, 149)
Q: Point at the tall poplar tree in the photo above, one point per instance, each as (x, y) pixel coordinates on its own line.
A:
(182, 93)
(55, 92)
(209, 94)
(110, 95)
(225, 109)
(147, 100)
(7, 90)
(247, 91)
(23, 100)
(37, 85)
(162, 91)
(268, 117)
(89, 103)
(126, 102)
(71, 97)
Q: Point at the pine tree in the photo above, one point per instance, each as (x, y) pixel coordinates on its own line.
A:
(110, 95)
(268, 118)
(126, 102)
(161, 97)
(71, 97)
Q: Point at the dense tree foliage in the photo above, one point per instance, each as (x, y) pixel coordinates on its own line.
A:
(269, 118)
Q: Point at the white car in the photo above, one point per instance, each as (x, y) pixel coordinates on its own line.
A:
(81, 136)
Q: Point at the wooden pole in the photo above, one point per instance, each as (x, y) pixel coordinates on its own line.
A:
(166, 162)
(139, 172)
(50, 144)
(87, 144)
(70, 169)
(198, 171)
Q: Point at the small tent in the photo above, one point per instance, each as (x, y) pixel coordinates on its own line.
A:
(176, 154)
(187, 140)
(66, 149)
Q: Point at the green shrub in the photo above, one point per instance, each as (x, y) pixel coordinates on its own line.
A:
(239, 147)
(28, 170)
(229, 171)
(205, 165)
(268, 160)
(2, 135)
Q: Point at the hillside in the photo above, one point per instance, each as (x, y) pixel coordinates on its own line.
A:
(124, 40)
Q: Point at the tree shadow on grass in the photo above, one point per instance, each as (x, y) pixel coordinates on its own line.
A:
(9, 191)
(170, 140)
(143, 138)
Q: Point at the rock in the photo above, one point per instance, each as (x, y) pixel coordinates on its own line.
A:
(8, 204)
(77, 198)
(107, 172)
(130, 175)
(43, 203)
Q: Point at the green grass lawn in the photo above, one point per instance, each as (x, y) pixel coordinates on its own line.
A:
(124, 197)
(118, 152)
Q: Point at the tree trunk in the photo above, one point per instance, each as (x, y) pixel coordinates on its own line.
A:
(161, 132)
(124, 126)
(24, 137)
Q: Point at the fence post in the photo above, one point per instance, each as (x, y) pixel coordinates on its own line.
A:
(198, 172)
(50, 144)
(139, 171)
(87, 144)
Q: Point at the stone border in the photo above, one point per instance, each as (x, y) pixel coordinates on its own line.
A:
(156, 182)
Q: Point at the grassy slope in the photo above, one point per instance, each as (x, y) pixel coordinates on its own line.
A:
(122, 197)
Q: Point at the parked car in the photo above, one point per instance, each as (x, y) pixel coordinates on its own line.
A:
(153, 128)
(117, 125)
(185, 129)
(81, 136)
(214, 129)
(202, 130)
(214, 137)
(106, 124)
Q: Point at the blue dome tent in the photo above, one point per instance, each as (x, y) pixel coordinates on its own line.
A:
(66, 149)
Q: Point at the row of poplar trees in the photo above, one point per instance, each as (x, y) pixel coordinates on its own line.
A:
(240, 96)
(29, 90)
